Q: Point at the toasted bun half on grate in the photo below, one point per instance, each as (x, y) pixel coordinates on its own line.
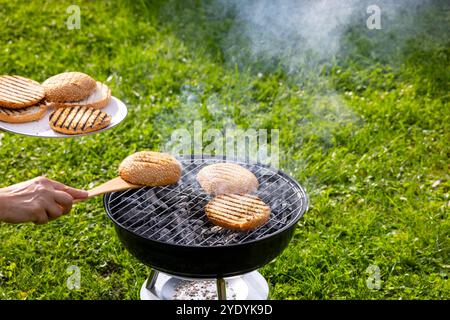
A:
(150, 168)
(237, 212)
(69, 86)
(222, 178)
(78, 120)
(97, 100)
(23, 115)
(19, 92)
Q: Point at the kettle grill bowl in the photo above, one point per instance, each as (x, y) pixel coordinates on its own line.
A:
(205, 261)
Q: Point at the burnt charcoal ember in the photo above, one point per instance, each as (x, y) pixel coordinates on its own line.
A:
(175, 213)
(131, 199)
(139, 201)
(118, 199)
(182, 213)
(276, 206)
(128, 217)
(197, 223)
(164, 234)
(150, 197)
(197, 230)
(168, 194)
(164, 221)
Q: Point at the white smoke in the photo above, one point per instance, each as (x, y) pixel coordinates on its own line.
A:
(301, 37)
(289, 30)
(301, 34)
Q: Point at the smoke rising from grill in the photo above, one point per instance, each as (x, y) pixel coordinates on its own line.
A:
(305, 34)
(305, 39)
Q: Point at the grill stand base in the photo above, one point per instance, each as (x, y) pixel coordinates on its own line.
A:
(163, 286)
(221, 286)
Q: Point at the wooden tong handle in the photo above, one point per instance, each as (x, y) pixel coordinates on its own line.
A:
(116, 184)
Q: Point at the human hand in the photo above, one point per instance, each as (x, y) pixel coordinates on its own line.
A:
(38, 200)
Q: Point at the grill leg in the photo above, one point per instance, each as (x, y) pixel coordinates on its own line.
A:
(151, 281)
(221, 289)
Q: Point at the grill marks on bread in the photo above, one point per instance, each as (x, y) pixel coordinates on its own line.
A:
(76, 120)
(19, 92)
(237, 212)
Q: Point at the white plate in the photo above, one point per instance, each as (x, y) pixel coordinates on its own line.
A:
(116, 109)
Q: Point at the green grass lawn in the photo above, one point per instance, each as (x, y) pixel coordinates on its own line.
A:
(367, 137)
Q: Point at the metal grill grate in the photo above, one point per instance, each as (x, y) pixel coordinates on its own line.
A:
(174, 214)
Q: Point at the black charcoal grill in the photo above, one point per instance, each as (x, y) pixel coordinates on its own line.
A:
(166, 227)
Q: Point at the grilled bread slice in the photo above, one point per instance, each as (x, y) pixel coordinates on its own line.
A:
(23, 115)
(18, 92)
(221, 178)
(78, 120)
(237, 212)
(97, 100)
(150, 169)
(68, 86)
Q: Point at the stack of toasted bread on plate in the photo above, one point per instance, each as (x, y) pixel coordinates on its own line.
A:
(75, 97)
(21, 100)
